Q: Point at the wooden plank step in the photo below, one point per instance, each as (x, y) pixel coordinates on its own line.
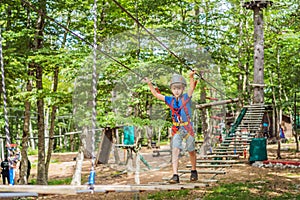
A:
(232, 147)
(219, 161)
(233, 144)
(211, 166)
(182, 185)
(252, 117)
(237, 140)
(203, 171)
(229, 149)
(227, 152)
(239, 135)
(188, 180)
(157, 153)
(219, 156)
(250, 125)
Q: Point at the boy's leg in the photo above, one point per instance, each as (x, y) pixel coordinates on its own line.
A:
(190, 142)
(175, 159)
(176, 146)
(193, 159)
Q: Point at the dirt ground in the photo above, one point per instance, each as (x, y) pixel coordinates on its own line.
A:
(63, 164)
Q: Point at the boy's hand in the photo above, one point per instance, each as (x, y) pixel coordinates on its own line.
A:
(192, 72)
(146, 80)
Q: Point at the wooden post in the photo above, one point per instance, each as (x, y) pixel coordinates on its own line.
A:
(106, 144)
(2, 149)
(257, 6)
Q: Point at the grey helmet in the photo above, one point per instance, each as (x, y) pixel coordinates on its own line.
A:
(177, 78)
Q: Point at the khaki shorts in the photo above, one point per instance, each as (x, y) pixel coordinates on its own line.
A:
(178, 138)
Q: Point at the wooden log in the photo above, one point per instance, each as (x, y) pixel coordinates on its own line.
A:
(72, 190)
(230, 148)
(188, 180)
(219, 156)
(227, 152)
(219, 161)
(216, 103)
(43, 189)
(157, 152)
(210, 166)
(203, 172)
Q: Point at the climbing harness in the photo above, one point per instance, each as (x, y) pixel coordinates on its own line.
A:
(176, 117)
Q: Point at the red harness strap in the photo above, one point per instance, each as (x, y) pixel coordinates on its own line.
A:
(176, 123)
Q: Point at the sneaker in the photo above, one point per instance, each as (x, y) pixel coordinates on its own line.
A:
(174, 179)
(194, 175)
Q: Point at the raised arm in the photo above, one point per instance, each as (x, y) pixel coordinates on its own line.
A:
(192, 83)
(153, 91)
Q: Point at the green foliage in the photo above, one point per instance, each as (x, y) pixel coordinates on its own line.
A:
(32, 152)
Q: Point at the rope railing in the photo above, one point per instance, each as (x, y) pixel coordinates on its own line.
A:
(7, 134)
(94, 94)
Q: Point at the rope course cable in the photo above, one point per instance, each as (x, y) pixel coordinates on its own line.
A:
(164, 46)
(7, 134)
(114, 59)
(80, 38)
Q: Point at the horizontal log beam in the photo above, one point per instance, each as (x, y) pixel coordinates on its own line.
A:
(217, 103)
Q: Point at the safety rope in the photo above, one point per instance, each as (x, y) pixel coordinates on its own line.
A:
(168, 49)
(7, 134)
(94, 94)
(79, 37)
(114, 59)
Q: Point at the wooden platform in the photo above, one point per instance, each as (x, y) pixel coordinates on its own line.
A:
(220, 161)
(72, 190)
(211, 166)
(219, 156)
(232, 147)
(203, 171)
(188, 180)
(225, 152)
(158, 152)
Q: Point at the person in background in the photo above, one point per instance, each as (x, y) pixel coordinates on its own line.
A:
(5, 170)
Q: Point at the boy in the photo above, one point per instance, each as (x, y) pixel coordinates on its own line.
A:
(180, 105)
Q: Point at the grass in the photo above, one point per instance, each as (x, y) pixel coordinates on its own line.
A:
(253, 191)
(237, 191)
(32, 152)
(66, 181)
(169, 195)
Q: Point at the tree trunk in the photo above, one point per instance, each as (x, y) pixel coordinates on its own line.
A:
(295, 125)
(41, 175)
(76, 179)
(52, 123)
(207, 139)
(25, 138)
(258, 95)
(279, 99)
(38, 44)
